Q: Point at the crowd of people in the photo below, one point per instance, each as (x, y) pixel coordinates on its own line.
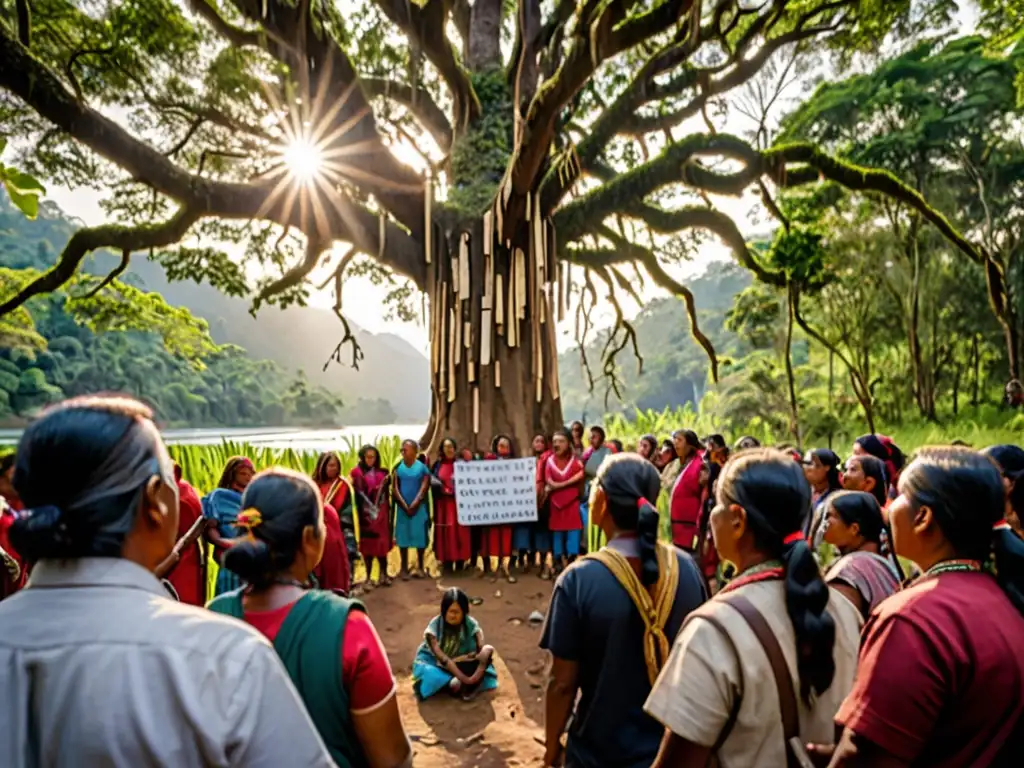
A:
(857, 612)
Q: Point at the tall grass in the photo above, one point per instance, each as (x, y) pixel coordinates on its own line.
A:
(202, 465)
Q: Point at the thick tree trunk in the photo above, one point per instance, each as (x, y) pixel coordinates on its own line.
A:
(485, 36)
(1012, 336)
(493, 311)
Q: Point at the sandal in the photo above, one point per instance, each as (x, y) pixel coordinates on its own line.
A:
(418, 574)
(387, 581)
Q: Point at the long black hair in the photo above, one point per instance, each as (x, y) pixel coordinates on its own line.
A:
(964, 490)
(235, 463)
(81, 471)
(629, 483)
(320, 472)
(860, 508)
(1010, 459)
(287, 503)
(884, 449)
(363, 466)
(454, 595)
(771, 488)
(831, 461)
(875, 469)
(511, 445)
(651, 441)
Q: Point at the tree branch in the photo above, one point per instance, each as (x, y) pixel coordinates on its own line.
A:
(419, 102)
(819, 164)
(84, 241)
(600, 33)
(425, 26)
(238, 37)
(323, 212)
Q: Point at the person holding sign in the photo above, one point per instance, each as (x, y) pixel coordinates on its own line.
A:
(563, 475)
(411, 485)
(496, 540)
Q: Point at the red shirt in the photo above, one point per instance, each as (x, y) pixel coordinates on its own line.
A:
(332, 572)
(940, 679)
(365, 671)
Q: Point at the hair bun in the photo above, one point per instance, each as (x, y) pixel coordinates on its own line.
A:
(42, 533)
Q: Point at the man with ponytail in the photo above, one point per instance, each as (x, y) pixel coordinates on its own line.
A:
(941, 678)
(772, 655)
(98, 667)
(612, 618)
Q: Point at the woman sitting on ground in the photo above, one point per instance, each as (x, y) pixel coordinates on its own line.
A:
(97, 665)
(854, 526)
(327, 642)
(453, 656)
(718, 694)
(597, 626)
(941, 677)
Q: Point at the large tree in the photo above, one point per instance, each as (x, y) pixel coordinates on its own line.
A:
(551, 134)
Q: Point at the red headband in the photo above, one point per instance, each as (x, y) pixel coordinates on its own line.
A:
(793, 538)
(642, 502)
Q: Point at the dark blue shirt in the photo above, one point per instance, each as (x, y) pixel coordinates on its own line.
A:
(593, 621)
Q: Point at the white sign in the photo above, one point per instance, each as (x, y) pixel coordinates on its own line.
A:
(496, 492)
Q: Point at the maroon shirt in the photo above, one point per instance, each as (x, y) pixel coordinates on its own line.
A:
(940, 680)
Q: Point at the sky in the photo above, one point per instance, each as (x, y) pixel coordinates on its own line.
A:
(363, 301)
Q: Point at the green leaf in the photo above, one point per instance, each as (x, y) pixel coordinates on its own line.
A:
(23, 182)
(26, 202)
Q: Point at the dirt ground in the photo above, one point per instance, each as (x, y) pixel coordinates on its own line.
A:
(499, 728)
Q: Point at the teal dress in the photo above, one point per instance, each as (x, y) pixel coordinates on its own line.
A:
(222, 505)
(428, 678)
(411, 531)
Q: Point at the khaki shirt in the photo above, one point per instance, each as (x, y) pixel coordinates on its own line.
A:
(98, 667)
(695, 692)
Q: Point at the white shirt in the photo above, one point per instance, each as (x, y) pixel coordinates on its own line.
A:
(696, 690)
(98, 667)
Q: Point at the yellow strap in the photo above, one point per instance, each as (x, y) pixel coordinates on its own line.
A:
(656, 612)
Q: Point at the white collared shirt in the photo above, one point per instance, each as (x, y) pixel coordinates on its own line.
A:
(98, 667)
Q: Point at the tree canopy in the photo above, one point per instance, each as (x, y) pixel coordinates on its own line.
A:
(393, 126)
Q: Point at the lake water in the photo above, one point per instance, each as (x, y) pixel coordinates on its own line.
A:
(279, 437)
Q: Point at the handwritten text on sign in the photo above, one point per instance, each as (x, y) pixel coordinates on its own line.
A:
(496, 492)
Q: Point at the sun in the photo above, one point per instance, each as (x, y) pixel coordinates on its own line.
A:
(303, 160)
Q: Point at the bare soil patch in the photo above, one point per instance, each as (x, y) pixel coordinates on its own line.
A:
(500, 728)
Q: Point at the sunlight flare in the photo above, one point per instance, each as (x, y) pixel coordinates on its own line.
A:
(303, 160)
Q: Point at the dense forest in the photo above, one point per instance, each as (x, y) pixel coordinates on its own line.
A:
(885, 286)
(856, 311)
(188, 378)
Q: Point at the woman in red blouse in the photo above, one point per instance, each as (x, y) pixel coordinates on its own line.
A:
(327, 643)
(563, 479)
(496, 540)
(334, 571)
(940, 680)
(688, 490)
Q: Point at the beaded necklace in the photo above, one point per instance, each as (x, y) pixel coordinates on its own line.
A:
(766, 571)
(953, 566)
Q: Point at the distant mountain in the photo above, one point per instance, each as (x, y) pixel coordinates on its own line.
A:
(302, 338)
(676, 368)
(296, 338)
